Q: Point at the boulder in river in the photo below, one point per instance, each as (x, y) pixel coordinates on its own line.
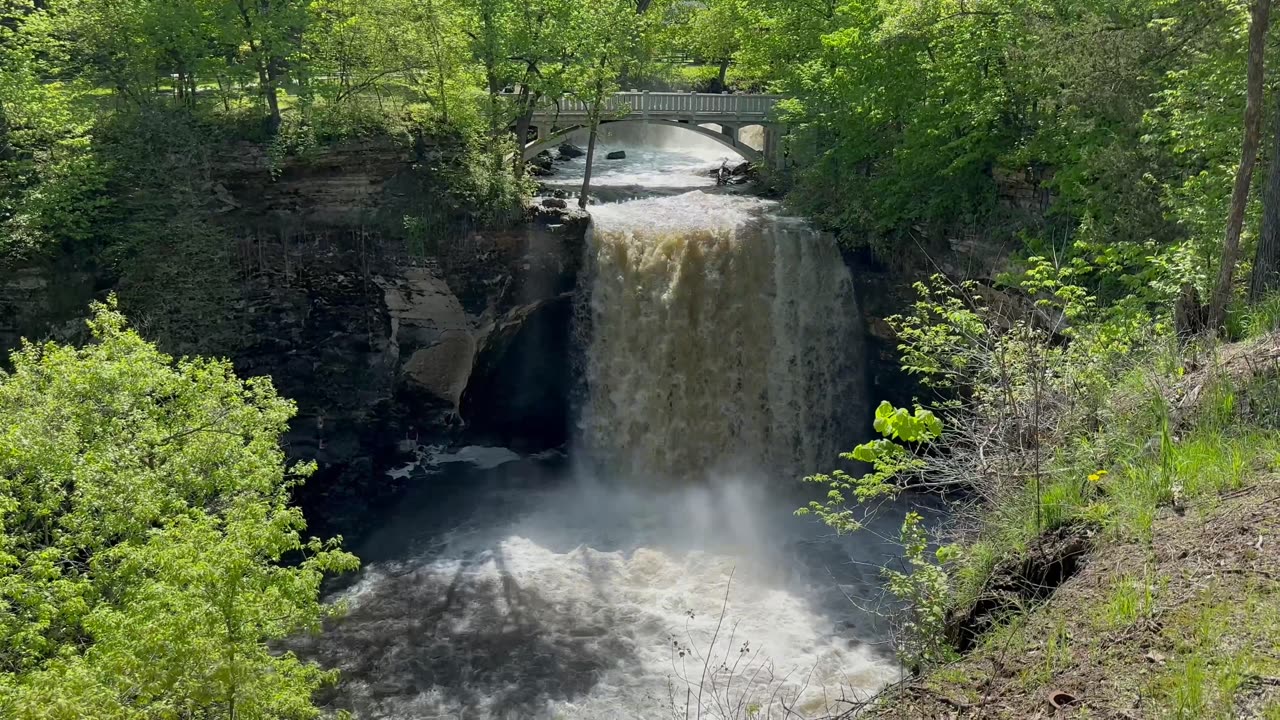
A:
(569, 150)
(740, 170)
(616, 155)
(541, 165)
(542, 160)
(556, 203)
(736, 175)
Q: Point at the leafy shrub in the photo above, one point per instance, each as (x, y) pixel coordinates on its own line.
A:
(146, 524)
(925, 591)
(890, 462)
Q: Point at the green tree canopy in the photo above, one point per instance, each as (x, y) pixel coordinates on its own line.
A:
(144, 529)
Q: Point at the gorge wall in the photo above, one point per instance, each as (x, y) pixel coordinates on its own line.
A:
(388, 331)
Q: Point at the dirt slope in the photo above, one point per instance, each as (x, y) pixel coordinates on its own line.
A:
(1186, 626)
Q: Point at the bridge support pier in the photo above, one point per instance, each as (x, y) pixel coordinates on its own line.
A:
(773, 147)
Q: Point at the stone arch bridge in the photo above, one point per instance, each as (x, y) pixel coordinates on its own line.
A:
(690, 111)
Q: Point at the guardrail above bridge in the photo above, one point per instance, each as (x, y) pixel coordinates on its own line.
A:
(731, 113)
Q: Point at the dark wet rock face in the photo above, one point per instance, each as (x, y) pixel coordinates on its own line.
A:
(522, 378)
(376, 333)
(44, 299)
(386, 336)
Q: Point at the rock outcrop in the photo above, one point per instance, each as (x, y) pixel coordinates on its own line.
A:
(431, 338)
(43, 300)
(542, 165)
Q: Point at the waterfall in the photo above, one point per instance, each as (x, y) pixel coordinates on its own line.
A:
(717, 339)
(720, 337)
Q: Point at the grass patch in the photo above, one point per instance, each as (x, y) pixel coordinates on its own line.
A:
(956, 678)
(1261, 318)
(1130, 599)
(1262, 399)
(1007, 531)
(1225, 646)
(1121, 478)
(1055, 657)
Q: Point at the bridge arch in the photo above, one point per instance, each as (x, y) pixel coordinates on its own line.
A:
(746, 151)
(754, 135)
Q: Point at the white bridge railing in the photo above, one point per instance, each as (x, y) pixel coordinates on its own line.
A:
(737, 107)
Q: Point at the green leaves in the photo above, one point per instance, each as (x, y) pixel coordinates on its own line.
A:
(899, 424)
(890, 463)
(144, 518)
(925, 590)
(1107, 130)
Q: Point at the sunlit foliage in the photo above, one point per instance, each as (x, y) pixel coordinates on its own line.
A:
(148, 551)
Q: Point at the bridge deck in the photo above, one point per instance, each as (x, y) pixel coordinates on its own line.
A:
(702, 106)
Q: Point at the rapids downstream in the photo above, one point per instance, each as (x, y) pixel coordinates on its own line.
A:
(656, 570)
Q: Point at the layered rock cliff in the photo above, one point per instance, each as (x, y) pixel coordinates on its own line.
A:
(388, 331)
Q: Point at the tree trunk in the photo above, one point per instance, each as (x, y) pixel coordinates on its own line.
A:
(496, 126)
(224, 89)
(722, 81)
(1266, 261)
(441, 68)
(267, 78)
(6, 149)
(522, 131)
(1188, 314)
(591, 156)
(266, 74)
(1244, 177)
(444, 98)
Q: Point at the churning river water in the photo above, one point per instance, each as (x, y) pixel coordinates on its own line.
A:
(656, 570)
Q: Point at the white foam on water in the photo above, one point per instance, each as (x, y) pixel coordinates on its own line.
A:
(579, 606)
(657, 158)
(431, 457)
(485, 458)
